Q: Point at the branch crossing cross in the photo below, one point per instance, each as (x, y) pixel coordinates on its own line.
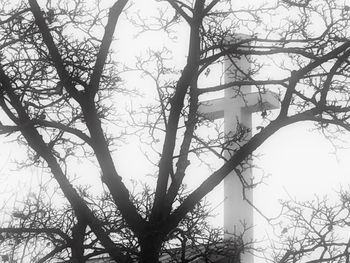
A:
(237, 109)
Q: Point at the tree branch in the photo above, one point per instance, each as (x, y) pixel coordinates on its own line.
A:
(51, 254)
(24, 230)
(64, 128)
(8, 129)
(213, 180)
(36, 142)
(53, 51)
(113, 16)
(297, 75)
(183, 161)
(177, 102)
(240, 83)
(180, 11)
(210, 6)
(112, 180)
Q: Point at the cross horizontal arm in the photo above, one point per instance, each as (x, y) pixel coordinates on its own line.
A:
(212, 109)
(261, 102)
(251, 102)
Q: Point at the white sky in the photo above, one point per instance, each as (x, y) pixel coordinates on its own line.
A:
(299, 161)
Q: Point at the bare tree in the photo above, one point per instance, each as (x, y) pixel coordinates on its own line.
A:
(36, 230)
(59, 89)
(312, 231)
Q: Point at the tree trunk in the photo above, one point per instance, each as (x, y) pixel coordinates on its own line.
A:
(150, 248)
(77, 247)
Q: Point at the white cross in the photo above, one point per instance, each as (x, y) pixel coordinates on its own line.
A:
(238, 108)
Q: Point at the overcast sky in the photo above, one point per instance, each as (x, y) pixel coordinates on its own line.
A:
(300, 162)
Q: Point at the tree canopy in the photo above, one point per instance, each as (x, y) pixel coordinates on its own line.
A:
(62, 95)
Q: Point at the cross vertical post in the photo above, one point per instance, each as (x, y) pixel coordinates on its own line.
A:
(237, 212)
(237, 108)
